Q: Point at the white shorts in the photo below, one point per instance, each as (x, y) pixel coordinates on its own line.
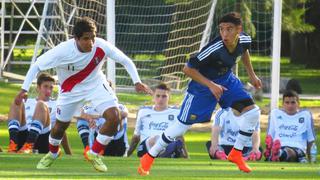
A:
(101, 98)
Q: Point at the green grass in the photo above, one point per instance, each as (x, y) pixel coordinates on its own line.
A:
(199, 166)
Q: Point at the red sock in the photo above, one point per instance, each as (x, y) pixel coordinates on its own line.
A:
(97, 147)
(53, 149)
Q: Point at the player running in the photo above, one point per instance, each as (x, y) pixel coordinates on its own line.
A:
(213, 82)
(78, 63)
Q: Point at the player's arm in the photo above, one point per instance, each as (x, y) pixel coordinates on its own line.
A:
(65, 144)
(133, 144)
(255, 141)
(48, 60)
(194, 74)
(215, 130)
(311, 136)
(252, 75)
(309, 144)
(136, 134)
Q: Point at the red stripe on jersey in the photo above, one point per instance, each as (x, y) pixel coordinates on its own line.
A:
(77, 78)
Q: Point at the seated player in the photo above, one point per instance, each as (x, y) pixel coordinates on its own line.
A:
(29, 123)
(290, 134)
(152, 121)
(89, 124)
(224, 132)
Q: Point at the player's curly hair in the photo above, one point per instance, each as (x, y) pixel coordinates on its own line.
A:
(232, 17)
(83, 25)
(43, 77)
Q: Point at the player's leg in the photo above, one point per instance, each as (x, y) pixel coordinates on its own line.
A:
(40, 121)
(105, 102)
(193, 110)
(16, 125)
(64, 115)
(241, 101)
(84, 132)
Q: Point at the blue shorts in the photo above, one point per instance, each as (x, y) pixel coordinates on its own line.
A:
(199, 103)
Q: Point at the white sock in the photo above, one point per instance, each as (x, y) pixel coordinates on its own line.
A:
(248, 124)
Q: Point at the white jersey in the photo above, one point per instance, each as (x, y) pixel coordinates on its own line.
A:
(100, 121)
(151, 122)
(30, 106)
(79, 72)
(292, 130)
(230, 124)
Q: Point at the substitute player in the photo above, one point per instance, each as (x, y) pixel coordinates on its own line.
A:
(224, 132)
(29, 123)
(213, 82)
(78, 63)
(152, 121)
(290, 133)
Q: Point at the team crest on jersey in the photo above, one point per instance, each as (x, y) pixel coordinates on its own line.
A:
(171, 117)
(193, 117)
(301, 120)
(228, 122)
(50, 109)
(28, 108)
(279, 117)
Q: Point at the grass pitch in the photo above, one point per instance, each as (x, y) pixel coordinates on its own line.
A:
(199, 166)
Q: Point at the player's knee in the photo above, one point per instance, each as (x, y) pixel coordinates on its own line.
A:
(113, 116)
(41, 106)
(59, 128)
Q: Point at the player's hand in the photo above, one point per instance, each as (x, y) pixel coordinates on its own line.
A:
(221, 155)
(22, 95)
(256, 82)
(217, 90)
(253, 156)
(212, 150)
(140, 87)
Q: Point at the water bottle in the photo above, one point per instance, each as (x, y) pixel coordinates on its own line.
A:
(313, 153)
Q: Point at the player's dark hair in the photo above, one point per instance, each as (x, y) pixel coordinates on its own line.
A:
(163, 86)
(84, 25)
(232, 17)
(43, 77)
(290, 93)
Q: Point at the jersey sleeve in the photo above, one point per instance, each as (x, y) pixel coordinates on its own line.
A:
(118, 56)
(51, 58)
(138, 124)
(310, 129)
(257, 128)
(245, 41)
(219, 118)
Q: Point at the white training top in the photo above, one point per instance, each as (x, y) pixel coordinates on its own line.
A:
(151, 122)
(292, 130)
(230, 124)
(30, 106)
(100, 121)
(77, 71)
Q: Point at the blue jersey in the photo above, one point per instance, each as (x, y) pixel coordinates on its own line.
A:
(214, 61)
